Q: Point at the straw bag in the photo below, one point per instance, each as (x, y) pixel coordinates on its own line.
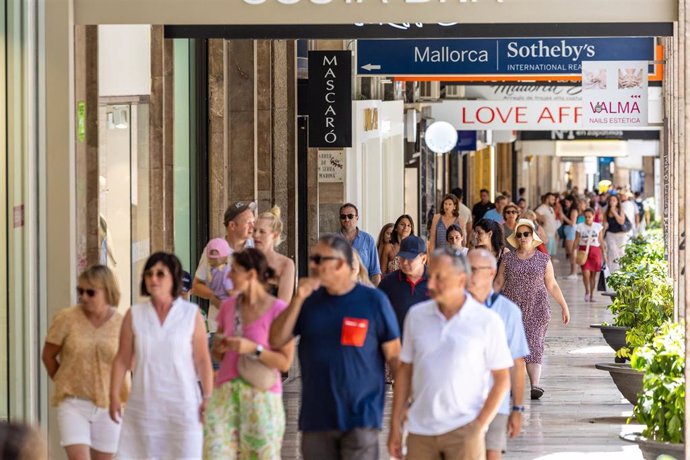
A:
(253, 371)
(581, 257)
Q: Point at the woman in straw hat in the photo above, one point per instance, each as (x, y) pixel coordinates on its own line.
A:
(525, 276)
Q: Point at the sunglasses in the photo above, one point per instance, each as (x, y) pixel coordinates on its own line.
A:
(317, 259)
(158, 274)
(88, 292)
(347, 216)
(523, 234)
(511, 212)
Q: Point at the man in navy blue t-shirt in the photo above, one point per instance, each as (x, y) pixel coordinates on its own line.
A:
(347, 331)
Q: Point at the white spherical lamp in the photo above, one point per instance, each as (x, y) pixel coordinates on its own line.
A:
(441, 137)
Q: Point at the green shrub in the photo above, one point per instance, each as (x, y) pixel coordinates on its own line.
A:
(644, 293)
(661, 405)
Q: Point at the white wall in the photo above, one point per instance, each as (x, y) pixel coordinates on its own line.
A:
(124, 60)
(375, 176)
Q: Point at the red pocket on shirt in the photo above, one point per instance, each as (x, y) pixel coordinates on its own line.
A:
(354, 332)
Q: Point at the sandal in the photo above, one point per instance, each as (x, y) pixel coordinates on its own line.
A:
(536, 393)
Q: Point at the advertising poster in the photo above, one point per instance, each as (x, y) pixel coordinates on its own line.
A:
(614, 94)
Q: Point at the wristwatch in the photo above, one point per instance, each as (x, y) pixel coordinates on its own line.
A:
(259, 350)
(518, 408)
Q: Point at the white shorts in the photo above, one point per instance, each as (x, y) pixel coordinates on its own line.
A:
(82, 422)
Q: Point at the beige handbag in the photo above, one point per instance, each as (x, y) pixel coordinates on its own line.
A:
(253, 371)
(581, 257)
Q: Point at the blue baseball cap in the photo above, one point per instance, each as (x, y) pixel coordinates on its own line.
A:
(411, 247)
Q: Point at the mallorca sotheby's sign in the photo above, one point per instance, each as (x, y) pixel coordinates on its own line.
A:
(614, 94)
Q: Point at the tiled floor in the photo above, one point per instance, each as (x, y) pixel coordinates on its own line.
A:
(581, 413)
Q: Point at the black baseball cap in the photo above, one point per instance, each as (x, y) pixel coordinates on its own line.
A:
(237, 208)
(411, 247)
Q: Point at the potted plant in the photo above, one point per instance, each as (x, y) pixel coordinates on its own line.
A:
(644, 294)
(661, 404)
(643, 302)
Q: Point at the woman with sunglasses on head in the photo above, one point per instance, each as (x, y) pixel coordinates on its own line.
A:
(403, 228)
(242, 419)
(172, 378)
(78, 354)
(267, 235)
(526, 277)
(510, 218)
(449, 215)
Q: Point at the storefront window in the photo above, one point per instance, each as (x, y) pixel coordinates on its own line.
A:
(124, 241)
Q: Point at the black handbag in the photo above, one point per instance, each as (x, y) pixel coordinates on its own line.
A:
(601, 284)
(627, 225)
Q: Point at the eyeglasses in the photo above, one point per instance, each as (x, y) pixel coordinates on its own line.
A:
(158, 274)
(347, 216)
(88, 292)
(510, 212)
(476, 269)
(522, 234)
(317, 259)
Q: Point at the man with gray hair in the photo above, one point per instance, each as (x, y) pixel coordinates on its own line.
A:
(347, 330)
(508, 421)
(450, 345)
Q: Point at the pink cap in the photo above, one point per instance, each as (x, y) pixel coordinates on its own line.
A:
(217, 248)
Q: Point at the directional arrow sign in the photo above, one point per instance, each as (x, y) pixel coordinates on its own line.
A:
(496, 56)
(370, 67)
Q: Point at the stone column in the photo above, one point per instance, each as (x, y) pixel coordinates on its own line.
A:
(86, 148)
(284, 127)
(217, 136)
(240, 120)
(160, 143)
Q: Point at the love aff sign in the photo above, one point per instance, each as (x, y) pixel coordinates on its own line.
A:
(510, 115)
(330, 99)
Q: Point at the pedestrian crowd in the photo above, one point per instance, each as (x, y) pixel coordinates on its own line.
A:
(458, 321)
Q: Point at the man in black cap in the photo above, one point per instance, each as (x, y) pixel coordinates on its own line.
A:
(408, 285)
(239, 224)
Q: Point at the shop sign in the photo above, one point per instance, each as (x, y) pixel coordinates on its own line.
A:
(264, 12)
(81, 121)
(572, 135)
(483, 57)
(510, 115)
(614, 94)
(524, 92)
(467, 141)
(330, 99)
(331, 166)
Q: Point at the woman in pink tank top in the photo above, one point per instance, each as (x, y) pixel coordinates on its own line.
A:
(241, 420)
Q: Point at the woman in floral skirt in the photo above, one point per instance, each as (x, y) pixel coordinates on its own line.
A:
(241, 420)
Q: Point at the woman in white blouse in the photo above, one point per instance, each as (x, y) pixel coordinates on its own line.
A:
(590, 233)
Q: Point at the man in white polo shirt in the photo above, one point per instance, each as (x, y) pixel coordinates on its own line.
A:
(451, 345)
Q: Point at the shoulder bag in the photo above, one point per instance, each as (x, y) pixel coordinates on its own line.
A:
(581, 257)
(253, 371)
